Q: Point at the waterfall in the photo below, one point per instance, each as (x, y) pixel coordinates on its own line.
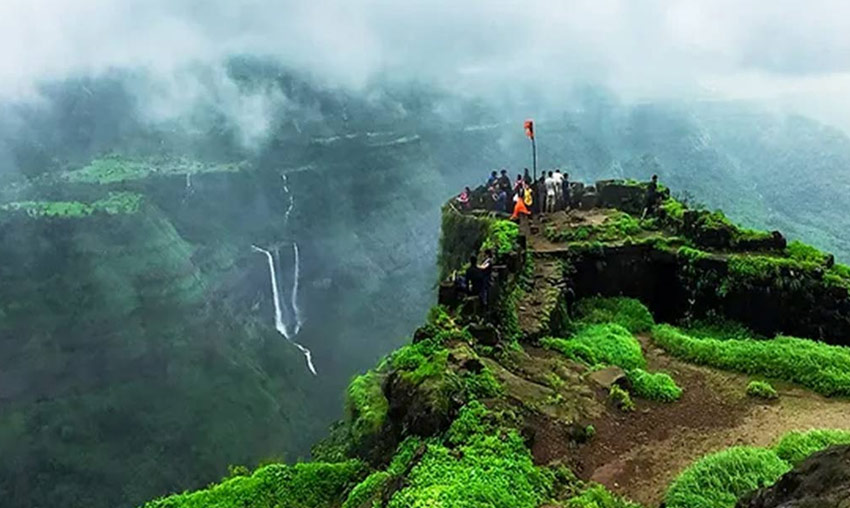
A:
(295, 278)
(291, 202)
(278, 310)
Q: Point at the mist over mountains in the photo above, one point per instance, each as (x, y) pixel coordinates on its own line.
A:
(144, 148)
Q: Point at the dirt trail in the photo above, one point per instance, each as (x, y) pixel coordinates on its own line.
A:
(639, 454)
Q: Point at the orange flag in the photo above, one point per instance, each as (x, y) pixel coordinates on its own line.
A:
(529, 128)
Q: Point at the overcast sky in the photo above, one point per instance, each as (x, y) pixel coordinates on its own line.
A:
(793, 53)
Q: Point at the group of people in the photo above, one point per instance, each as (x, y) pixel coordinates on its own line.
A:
(518, 197)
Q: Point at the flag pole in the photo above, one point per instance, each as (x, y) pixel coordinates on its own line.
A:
(534, 156)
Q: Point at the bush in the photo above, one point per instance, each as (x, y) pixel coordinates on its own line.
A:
(481, 465)
(621, 398)
(501, 236)
(762, 390)
(794, 447)
(609, 344)
(367, 405)
(626, 312)
(719, 479)
(598, 496)
(654, 386)
(307, 485)
(821, 367)
(368, 489)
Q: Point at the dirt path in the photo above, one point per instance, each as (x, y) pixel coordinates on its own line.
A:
(639, 454)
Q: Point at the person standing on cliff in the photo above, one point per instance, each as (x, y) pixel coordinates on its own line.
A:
(651, 197)
(565, 191)
(559, 188)
(549, 185)
(477, 279)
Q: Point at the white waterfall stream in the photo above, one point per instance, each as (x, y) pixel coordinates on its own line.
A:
(279, 318)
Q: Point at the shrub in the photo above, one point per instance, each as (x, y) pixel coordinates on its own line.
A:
(654, 386)
(306, 485)
(719, 479)
(795, 446)
(501, 236)
(627, 312)
(621, 398)
(801, 252)
(821, 367)
(598, 496)
(368, 489)
(367, 405)
(482, 465)
(762, 390)
(609, 344)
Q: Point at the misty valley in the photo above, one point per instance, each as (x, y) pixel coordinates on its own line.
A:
(234, 310)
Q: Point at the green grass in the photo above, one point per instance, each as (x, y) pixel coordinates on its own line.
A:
(501, 236)
(654, 386)
(608, 344)
(794, 447)
(369, 489)
(597, 496)
(115, 203)
(627, 312)
(621, 398)
(718, 480)
(367, 405)
(115, 168)
(618, 226)
(800, 251)
(815, 365)
(306, 485)
(479, 465)
(762, 390)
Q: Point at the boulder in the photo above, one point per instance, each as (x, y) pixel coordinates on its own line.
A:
(821, 481)
(608, 377)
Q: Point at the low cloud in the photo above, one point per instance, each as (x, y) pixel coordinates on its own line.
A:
(650, 49)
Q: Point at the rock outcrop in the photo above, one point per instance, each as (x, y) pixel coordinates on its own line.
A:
(821, 481)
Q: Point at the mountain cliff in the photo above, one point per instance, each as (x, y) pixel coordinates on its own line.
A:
(607, 336)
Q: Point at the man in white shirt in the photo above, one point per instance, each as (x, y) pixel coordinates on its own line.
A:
(559, 187)
(549, 185)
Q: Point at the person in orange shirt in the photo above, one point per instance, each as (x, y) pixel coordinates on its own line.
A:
(519, 204)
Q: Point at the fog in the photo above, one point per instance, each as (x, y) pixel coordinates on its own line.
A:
(783, 53)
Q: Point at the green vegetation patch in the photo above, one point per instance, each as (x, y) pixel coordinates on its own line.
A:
(367, 405)
(597, 496)
(762, 390)
(306, 485)
(618, 226)
(115, 203)
(796, 446)
(480, 465)
(115, 168)
(719, 479)
(501, 236)
(626, 312)
(621, 398)
(608, 344)
(654, 386)
(815, 365)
